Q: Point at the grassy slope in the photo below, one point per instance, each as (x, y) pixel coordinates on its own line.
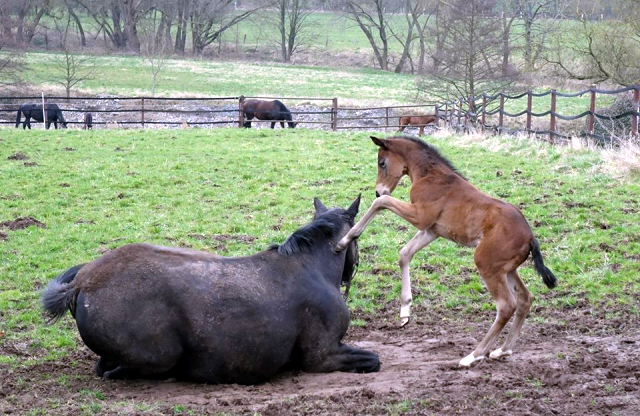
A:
(207, 189)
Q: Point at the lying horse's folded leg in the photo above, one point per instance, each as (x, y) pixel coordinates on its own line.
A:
(346, 359)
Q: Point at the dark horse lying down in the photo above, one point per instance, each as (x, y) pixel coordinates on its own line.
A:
(267, 110)
(152, 311)
(34, 111)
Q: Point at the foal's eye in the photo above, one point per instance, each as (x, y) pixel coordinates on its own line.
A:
(382, 163)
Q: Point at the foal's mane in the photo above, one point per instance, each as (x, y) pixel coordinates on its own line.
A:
(432, 152)
(322, 228)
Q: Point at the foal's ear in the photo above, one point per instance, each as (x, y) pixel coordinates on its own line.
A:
(379, 142)
(319, 206)
(353, 209)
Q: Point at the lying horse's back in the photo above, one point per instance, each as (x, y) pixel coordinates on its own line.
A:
(112, 289)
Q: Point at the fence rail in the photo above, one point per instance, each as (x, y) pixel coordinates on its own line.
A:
(322, 112)
(466, 109)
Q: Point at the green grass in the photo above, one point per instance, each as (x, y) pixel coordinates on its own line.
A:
(209, 189)
(130, 76)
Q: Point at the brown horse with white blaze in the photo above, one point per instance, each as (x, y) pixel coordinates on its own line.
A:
(444, 204)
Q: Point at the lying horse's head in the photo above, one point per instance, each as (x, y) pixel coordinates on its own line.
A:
(329, 224)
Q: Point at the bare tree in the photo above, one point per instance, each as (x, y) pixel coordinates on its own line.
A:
(600, 50)
(208, 19)
(11, 67)
(118, 19)
(20, 18)
(372, 17)
(470, 57)
(291, 22)
(421, 12)
(155, 46)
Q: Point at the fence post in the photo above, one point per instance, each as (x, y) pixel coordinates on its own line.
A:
(472, 111)
(529, 105)
(453, 109)
(241, 111)
(459, 111)
(44, 112)
(634, 118)
(142, 101)
(552, 122)
(334, 114)
(592, 109)
(386, 110)
(484, 109)
(436, 111)
(501, 114)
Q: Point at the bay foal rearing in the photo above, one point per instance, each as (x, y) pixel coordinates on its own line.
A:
(444, 204)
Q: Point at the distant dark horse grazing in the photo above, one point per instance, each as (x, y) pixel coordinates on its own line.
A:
(34, 111)
(445, 204)
(418, 121)
(152, 311)
(267, 110)
(88, 121)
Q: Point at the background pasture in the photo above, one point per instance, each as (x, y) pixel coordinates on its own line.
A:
(235, 191)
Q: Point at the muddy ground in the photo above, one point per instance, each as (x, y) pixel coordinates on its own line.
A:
(576, 363)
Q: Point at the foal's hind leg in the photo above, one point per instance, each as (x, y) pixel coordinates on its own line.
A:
(494, 274)
(524, 299)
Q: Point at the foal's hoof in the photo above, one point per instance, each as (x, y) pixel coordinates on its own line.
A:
(470, 359)
(404, 321)
(340, 246)
(496, 354)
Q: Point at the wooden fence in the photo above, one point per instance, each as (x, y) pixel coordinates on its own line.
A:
(148, 112)
(326, 113)
(466, 110)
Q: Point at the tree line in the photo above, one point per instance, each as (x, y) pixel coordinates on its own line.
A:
(469, 45)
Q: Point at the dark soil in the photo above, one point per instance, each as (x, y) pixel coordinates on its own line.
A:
(577, 363)
(21, 223)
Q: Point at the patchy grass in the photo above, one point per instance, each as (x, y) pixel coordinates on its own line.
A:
(236, 191)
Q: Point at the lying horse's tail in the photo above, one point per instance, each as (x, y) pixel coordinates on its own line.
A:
(60, 294)
(18, 116)
(548, 277)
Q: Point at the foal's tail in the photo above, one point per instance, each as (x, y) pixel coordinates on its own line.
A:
(60, 294)
(548, 277)
(18, 117)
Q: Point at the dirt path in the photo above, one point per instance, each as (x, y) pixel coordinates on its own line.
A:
(558, 369)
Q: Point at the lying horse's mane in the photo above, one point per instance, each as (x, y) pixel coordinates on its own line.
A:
(321, 228)
(432, 151)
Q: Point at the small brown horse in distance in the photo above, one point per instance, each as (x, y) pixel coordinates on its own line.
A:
(419, 121)
(444, 204)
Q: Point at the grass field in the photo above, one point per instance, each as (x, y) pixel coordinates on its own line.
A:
(236, 191)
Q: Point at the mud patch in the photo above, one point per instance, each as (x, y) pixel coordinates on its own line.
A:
(588, 365)
(21, 223)
(18, 156)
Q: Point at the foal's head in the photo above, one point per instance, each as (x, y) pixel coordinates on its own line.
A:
(391, 167)
(400, 154)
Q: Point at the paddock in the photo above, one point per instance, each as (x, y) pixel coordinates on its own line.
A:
(233, 192)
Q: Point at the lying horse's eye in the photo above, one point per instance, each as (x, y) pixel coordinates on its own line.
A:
(382, 163)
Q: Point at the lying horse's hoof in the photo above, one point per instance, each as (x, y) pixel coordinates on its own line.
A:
(404, 321)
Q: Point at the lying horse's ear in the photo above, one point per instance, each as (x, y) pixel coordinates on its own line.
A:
(353, 209)
(379, 142)
(319, 206)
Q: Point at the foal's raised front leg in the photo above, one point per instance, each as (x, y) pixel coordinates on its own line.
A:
(403, 209)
